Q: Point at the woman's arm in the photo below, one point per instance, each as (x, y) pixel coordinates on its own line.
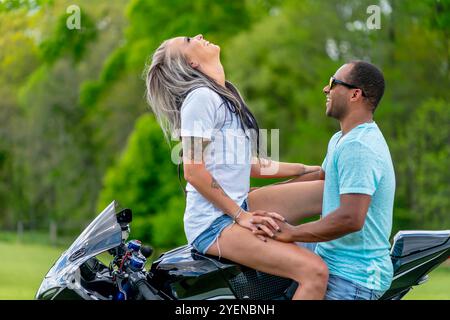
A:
(310, 176)
(264, 168)
(199, 177)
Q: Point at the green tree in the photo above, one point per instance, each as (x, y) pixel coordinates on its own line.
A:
(60, 178)
(18, 58)
(145, 180)
(426, 153)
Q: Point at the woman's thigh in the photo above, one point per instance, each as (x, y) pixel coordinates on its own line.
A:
(287, 260)
(294, 201)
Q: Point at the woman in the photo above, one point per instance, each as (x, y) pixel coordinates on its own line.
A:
(191, 99)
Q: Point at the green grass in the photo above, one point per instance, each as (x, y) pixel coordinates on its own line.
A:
(23, 267)
(436, 288)
(35, 237)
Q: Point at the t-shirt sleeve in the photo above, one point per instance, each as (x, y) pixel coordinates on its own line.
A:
(198, 114)
(324, 163)
(358, 169)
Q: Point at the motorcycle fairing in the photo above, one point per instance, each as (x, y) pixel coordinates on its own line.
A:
(100, 235)
(415, 254)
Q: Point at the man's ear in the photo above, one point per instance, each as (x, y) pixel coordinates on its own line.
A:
(355, 94)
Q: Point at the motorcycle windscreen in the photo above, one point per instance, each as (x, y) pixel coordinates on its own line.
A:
(102, 234)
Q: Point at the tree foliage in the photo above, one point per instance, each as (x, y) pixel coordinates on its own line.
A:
(143, 178)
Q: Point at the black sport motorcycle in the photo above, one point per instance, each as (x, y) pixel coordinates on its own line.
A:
(185, 274)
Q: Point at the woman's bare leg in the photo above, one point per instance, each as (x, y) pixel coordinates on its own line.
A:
(274, 257)
(294, 201)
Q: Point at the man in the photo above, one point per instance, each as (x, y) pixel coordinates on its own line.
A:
(359, 188)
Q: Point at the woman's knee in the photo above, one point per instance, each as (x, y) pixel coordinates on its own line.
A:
(321, 271)
(312, 270)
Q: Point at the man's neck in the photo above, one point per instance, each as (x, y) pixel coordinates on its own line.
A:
(353, 120)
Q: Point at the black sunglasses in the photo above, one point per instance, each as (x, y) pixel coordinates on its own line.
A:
(334, 81)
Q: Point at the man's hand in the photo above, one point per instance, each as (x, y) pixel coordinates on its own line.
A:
(268, 226)
(284, 232)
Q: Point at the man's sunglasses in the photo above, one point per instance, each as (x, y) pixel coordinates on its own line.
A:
(334, 81)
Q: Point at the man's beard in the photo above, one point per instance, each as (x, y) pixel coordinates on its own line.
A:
(337, 110)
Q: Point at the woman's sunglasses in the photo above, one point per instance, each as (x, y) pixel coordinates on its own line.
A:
(334, 81)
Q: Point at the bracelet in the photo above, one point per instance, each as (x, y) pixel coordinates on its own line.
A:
(237, 214)
(235, 219)
(304, 170)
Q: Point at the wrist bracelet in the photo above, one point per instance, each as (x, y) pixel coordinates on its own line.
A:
(235, 219)
(237, 214)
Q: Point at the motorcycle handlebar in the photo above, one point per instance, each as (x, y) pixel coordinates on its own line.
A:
(142, 286)
(145, 291)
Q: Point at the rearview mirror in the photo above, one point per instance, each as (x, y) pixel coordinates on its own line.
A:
(124, 217)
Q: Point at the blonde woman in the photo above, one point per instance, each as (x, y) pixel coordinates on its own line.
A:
(188, 93)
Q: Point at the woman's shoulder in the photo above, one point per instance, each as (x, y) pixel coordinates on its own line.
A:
(203, 95)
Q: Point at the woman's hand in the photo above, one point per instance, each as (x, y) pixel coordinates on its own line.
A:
(309, 169)
(266, 223)
(287, 233)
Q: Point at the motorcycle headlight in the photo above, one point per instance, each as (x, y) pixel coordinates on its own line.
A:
(48, 289)
(58, 278)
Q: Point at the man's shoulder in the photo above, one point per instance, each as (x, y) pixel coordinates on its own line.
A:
(356, 147)
(365, 136)
(335, 137)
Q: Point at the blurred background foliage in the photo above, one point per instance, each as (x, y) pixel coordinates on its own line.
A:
(76, 133)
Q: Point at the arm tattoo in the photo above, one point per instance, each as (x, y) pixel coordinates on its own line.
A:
(216, 185)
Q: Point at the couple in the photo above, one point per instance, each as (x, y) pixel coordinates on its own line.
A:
(353, 189)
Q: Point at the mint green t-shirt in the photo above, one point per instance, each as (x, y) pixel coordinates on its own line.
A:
(360, 162)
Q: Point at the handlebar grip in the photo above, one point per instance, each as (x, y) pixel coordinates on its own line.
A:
(145, 290)
(139, 282)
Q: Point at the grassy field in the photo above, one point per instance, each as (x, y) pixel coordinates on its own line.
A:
(24, 265)
(437, 287)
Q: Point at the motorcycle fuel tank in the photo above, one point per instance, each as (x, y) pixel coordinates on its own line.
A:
(184, 273)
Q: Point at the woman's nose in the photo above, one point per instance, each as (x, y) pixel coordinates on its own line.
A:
(199, 36)
(326, 89)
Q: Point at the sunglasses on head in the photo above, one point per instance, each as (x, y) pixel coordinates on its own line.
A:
(333, 82)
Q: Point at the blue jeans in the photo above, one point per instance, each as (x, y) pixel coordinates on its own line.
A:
(342, 289)
(207, 238)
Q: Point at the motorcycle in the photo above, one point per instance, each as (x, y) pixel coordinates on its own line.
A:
(185, 274)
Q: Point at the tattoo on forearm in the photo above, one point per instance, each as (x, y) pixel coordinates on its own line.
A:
(216, 185)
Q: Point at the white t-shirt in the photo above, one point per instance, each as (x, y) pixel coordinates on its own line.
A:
(227, 158)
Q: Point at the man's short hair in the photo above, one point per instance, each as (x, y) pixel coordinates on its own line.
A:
(370, 79)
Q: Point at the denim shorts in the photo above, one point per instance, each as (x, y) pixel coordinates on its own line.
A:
(342, 289)
(207, 238)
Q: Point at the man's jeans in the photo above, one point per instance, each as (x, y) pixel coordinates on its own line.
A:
(342, 289)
